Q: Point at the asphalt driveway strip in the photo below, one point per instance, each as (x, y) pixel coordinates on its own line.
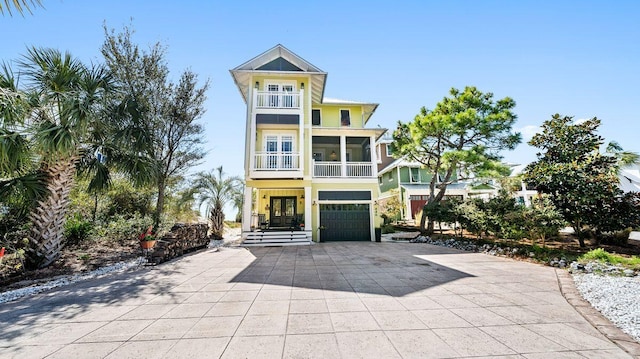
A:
(328, 300)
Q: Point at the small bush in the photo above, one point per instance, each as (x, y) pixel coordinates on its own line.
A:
(77, 229)
(388, 228)
(603, 256)
(123, 228)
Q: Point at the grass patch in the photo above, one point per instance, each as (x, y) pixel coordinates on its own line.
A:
(232, 224)
(605, 257)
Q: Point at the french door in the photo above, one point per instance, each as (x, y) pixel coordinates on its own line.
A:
(279, 150)
(283, 210)
(281, 95)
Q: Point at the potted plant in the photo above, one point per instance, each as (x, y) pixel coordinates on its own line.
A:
(147, 239)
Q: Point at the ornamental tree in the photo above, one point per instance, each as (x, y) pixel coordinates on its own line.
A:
(461, 138)
(165, 114)
(581, 181)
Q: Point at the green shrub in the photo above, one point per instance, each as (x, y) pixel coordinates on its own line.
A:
(77, 229)
(123, 227)
(388, 228)
(601, 255)
(542, 219)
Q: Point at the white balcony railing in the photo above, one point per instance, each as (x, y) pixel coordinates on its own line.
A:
(277, 161)
(273, 99)
(327, 169)
(334, 169)
(359, 169)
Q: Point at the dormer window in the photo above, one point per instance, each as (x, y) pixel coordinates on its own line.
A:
(345, 118)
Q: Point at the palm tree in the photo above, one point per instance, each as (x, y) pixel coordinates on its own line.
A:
(64, 120)
(20, 183)
(623, 158)
(216, 190)
(64, 97)
(20, 5)
(238, 204)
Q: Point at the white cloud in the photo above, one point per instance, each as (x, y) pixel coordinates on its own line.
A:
(528, 131)
(580, 120)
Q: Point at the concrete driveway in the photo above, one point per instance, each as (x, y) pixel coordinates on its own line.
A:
(330, 300)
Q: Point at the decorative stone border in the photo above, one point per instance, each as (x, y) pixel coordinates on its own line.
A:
(594, 317)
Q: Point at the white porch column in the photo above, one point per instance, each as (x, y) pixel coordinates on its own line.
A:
(301, 148)
(343, 156)
(407, 204)
(307, 209)
(252, 133)
(374, 156)
(247, 217)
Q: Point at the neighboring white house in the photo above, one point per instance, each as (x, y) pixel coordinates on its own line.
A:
(629, 179)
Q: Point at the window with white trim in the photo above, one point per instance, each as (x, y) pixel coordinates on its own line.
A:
(389, 150)
(279, 150)
(345, 118)
(414, 174)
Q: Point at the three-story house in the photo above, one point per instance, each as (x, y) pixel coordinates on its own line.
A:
(310, 163)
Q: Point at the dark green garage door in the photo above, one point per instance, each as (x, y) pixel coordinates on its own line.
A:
(344, 222)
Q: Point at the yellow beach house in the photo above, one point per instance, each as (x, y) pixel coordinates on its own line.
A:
(310, 162)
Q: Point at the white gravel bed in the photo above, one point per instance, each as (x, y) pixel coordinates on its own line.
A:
(617, 298)
(69, 279)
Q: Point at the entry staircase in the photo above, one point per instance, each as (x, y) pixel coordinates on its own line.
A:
(276, 238)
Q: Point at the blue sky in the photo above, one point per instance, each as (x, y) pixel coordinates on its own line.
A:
(577, 58)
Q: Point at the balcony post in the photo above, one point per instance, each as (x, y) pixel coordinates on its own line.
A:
(252, 132)
(343, 156)
(307, 208)
(373, 156)
(301, 149)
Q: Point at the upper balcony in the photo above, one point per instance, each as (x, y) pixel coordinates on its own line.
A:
(278, 103)
(278, 100)
(342, 157)
(342, 169)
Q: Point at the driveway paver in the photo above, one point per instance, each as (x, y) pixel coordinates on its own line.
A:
(337, 300)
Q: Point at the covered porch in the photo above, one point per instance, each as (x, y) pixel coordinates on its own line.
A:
(277, 216)
(343, 156)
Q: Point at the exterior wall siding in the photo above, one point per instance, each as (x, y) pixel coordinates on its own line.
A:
(388, 184)
(331, 115)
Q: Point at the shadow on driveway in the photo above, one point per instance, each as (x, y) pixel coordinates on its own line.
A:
(359, 267)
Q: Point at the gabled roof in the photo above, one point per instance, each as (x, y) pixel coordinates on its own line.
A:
(367, 107)
(400, 162)
(279, 60)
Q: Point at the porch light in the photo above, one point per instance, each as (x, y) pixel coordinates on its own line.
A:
(302, 196)
(302, 85)
(257, 85)
(266, 208)
(264, 196)
(333, 155)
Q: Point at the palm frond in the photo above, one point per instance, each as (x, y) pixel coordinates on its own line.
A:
(31, 186)
(15, 153)
(20, 6)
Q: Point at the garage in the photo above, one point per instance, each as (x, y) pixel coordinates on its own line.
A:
(345, 222)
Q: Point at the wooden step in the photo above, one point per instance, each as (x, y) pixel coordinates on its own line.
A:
(276, 238)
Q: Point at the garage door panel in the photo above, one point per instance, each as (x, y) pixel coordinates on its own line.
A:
(345, 222)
